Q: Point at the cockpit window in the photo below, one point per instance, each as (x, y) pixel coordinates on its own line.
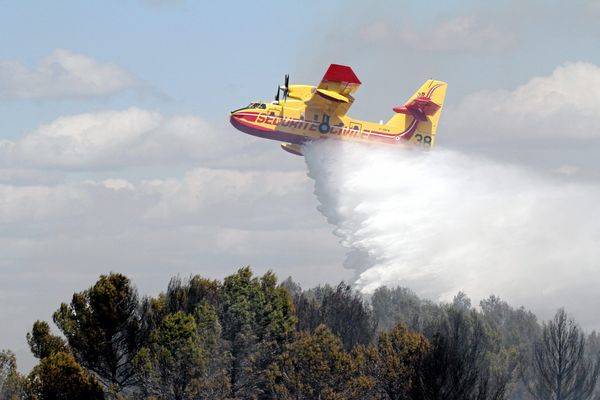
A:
(262, 106)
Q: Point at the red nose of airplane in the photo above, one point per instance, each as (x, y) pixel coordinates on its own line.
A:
(237, 114)
(235, 118)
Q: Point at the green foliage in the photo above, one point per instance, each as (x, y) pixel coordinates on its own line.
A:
(58, 376)
(395, 363)
(258, 319)
(314, 366)
(103, 328)
(42, 343)
(11, 382)
(174, 358)
(397, 305)
(249, 337)
(518, 330)
(187, 296)
(214, 383)
(334, 308)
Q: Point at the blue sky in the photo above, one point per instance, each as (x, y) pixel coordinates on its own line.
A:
(116, 153)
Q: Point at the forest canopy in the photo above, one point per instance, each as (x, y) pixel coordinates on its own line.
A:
(252, 337)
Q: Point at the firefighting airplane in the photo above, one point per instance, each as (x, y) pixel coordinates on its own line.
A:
(307, 113)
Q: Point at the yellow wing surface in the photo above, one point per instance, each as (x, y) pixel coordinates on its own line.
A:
(333, 95)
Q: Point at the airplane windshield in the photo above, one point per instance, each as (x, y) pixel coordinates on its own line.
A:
(250, 106)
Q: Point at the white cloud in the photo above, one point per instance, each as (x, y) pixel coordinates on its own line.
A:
(203, 197)
(463, 33)
(560, 106)
(251, 198)
(112, 138)
(20, 176)
(567, 170)
(58, 238)
(63, 74)
(38, 203)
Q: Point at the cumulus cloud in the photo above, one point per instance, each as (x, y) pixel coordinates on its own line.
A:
(37, 203)
(21, 177)
(562, 105)
(188, 199)
(57, 238)
(203, 196)
(462, 33)
(112, 138)
(63, 74)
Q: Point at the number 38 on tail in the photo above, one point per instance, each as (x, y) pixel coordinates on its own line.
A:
(302, 113)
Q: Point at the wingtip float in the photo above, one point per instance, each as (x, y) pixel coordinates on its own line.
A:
(302, 113)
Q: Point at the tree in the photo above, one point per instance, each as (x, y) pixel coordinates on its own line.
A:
(461, 301)
(314, 366)
(392, 306)
(518, 329)
(42, 343)
(560, 369)
(11, 382)
(344, 305)
(214, 383)
(59, 377)
(465, 361)
(186, 296)
(103, 328)
(292, 287)
(334, 307)
(394, 364)
(173, 360)
(258, 320)
(308, 311)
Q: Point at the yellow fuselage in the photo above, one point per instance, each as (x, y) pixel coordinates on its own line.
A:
(290, 123)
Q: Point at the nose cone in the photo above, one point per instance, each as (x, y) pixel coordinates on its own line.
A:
(235, 119)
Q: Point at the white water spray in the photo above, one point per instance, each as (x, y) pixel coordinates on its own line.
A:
(440, 221)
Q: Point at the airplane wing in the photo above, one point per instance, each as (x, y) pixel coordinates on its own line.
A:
(333, 95)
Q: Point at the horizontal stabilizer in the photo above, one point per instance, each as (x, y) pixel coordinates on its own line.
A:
(420, 108)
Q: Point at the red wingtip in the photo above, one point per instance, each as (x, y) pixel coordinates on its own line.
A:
(341, 73)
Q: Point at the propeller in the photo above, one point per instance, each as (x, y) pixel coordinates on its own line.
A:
(285, 88)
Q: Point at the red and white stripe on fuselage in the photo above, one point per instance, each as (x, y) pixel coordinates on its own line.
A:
(252, 123)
